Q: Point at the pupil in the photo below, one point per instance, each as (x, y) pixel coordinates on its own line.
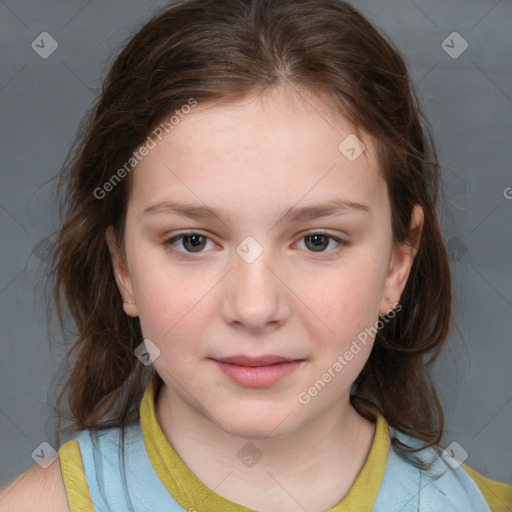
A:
(317, 240)
(193, 240)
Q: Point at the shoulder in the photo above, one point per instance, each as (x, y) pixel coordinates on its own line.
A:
(61, 486)
(36, 489)
(446, 484)
(497, 494)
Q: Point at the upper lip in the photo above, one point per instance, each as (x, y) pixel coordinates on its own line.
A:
(242, 360)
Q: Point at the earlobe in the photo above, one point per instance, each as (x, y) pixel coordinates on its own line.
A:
(121, 274)
(401, 263)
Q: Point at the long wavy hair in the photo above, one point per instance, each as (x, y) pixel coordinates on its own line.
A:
(223, 50)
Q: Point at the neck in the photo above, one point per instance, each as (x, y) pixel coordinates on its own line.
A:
(314, 465)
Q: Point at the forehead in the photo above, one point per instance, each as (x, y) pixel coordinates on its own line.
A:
(283, 145)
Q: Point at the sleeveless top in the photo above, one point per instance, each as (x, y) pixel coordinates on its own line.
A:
(152, 477)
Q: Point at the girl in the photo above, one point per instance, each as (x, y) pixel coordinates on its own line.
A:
(253, 261)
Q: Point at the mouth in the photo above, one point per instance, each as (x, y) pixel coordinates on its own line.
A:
(259, 372)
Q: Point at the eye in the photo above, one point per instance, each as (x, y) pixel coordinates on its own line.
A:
(192, 242)
(317, 242)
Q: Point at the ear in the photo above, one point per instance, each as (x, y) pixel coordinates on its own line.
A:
(121, 274)
(401, 263)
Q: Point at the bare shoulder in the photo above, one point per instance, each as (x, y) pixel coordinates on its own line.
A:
(36, 489)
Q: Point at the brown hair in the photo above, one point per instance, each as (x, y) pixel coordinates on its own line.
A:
(221, 50)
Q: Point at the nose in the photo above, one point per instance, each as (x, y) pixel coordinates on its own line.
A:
(255, 297)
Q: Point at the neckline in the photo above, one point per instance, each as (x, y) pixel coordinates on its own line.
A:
(191, 493)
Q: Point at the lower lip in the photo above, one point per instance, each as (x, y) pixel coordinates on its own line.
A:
(258, 376)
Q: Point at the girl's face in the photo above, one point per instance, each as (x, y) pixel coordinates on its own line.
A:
(252, 238)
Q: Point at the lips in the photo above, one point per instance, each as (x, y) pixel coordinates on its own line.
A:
(256, 372)
(254, 361)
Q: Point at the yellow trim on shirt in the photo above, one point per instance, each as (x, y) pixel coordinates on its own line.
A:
(363, 492)
(77, 490)
(178, 479)
(497, 494)
(191, 493)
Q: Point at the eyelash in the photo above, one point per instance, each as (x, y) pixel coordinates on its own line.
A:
(188, 255)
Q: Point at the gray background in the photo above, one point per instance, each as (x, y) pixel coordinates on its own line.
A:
(467, 99)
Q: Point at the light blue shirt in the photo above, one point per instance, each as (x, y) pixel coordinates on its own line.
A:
(404, 487)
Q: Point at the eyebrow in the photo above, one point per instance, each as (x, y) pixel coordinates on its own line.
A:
(292, 214)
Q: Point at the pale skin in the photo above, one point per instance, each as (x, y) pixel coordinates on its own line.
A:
(257, 158)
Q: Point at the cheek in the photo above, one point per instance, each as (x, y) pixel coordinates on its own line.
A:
(173, 325)
(169, 305)
(346, 301)
(171, 320)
